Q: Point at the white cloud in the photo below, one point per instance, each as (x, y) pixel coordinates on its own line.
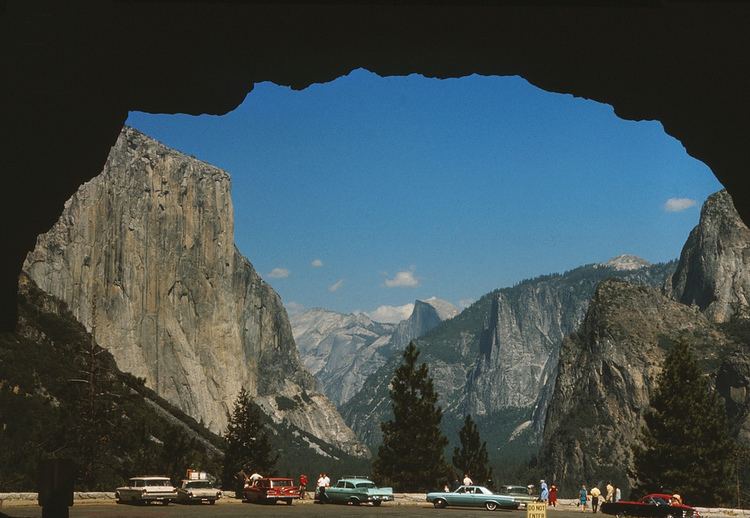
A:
(336, 285)
(465, 303)
(279, 273)
(294, 308)
(678, 204)
(404, 279)
(317, 263)
(391, 314)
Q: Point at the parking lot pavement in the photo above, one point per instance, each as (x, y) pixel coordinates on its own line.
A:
(235, 509)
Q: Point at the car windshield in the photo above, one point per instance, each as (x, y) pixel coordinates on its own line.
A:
(198, 484)
(158, 482)
(281, 483)
(366, 485)
(657, 500)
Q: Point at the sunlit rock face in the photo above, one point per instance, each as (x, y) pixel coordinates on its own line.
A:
(714, 268)
(144, 255)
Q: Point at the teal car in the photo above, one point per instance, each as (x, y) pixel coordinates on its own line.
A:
(472, 496)
(356, 491)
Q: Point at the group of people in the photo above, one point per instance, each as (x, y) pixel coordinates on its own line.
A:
(595, 495)
(548, 494)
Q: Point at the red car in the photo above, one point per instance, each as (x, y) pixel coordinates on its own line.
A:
(271, 490)
(654, 505)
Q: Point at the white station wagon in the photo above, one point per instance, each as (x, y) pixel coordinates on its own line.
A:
(143, 490)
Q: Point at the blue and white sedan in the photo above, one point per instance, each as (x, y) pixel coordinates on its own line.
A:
(472, 496)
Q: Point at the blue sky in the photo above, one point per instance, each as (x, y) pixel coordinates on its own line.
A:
(369, 191)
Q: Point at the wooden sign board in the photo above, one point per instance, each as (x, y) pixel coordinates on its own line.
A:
(536, 510)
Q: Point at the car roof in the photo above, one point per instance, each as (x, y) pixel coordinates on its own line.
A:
(150, 477)
(356, 480)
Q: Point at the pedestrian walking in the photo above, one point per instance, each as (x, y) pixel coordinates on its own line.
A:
(544, 494)
(595, 493)
(583, 497)
(618, 494)
(553, 495)
(302, 485)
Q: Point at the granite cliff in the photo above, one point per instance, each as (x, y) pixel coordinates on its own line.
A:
(712, 272)
(606, 375)
(144, 256)
(608, 368)
(341, 351)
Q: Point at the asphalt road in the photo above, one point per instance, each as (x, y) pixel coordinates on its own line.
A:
(232, 510)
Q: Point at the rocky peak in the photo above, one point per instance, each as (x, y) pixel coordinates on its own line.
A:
(144, 256)
(626, 262)
(714, 268)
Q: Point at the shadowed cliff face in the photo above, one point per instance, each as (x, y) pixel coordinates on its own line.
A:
(606, 375)
(144, 256)
(83, 68)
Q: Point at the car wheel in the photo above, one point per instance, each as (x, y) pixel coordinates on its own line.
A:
(440, 503)
(376, 503)
(117, 497)
(490, 506)
(352, 501)
(165, 502)
(288, 501)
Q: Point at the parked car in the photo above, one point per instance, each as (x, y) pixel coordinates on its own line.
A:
(520, 494)
(652, 505)
(271, 490)
(144, 490)
(355, 491)
(472, 496)
(197, 491)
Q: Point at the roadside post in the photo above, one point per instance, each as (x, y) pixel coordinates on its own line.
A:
(55, 481)
(536, 510)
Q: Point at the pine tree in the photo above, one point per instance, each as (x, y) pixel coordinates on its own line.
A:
(248, 442)
(411, 456)
(686, 444)
(471, 457)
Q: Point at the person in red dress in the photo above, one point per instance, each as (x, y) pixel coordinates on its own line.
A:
(553, 495)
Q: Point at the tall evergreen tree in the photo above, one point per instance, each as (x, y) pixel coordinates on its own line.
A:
(248, 442)
(686, 444)
(411, 456)
(471, 457)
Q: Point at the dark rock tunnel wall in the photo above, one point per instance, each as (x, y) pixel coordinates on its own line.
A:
(77, 68)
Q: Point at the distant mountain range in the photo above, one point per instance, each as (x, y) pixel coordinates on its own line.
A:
(342, 350)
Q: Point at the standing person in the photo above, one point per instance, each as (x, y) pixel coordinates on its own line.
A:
(544, 494)
(618, 494)
(583, 497)
(553, 495)
(322, 497)
(595, 493)
(610, 493)
(467, 480)
(302, 485)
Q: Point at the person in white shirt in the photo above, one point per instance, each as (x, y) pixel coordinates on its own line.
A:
(467, 480)
(323, 483)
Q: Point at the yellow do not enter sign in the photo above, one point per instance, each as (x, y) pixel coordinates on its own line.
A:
(536, 510)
